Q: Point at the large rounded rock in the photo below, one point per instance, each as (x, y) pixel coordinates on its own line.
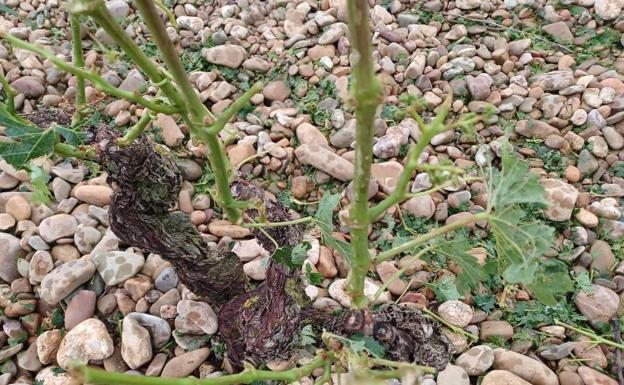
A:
(10, 251)
(136, 345)
(195, 318)
(228, 55)
(600, 305)
(57, 227)
(89, 340)
(593, 377)
(522, 366)
(477, 360)
(456, 313)
(61, 281)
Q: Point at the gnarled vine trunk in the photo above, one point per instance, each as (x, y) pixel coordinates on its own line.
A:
(262, 324)
(147, 184)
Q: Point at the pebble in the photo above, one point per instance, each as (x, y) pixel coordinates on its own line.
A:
(323, 159)
(89, 340)
(456, 313)
(57, 227)
(94, 195)
(195, 318)
(159, 329)
(80, 308)
(53, 375)
(228, 55)
(522, 366)
(502, 377)
(593, 377)
(477, 360)
(136, 346)
(47, 345)
(64, 279)
(453, 375)
(185, 364)
(117, 266)
(18, 207)
(10, 250)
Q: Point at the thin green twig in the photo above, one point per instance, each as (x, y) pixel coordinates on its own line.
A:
(595, 338)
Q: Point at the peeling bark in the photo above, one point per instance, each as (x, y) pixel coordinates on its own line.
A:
(405, 334)
(147, 186)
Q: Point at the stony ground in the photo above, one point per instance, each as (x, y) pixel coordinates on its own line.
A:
(553, 71)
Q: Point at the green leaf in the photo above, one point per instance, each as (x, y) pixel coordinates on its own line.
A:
(299, 253)
(73, 136)
(324, 219)
(551, 282)
(5, 9)
(362, 343)
(487, 303)
(26, 147)
(514, 184)
(472, 273)
(445, 289)
(519, 241)
(307, 337)
(26, 142)
(584, 282)
(312, 277)
(39, 182)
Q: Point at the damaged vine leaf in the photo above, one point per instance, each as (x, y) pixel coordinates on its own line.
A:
(456, 251)
(520, 242)
(25, 142)
(324, 219)
(39, 182)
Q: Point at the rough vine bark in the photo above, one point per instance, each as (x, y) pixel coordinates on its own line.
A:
(260, 325)
(147, 184)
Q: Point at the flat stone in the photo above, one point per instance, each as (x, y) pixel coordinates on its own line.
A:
(117, 266)
(196, 318)
(185, 364)
(64, 279)
(600, 305)
(57, 227)
(325, 160)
